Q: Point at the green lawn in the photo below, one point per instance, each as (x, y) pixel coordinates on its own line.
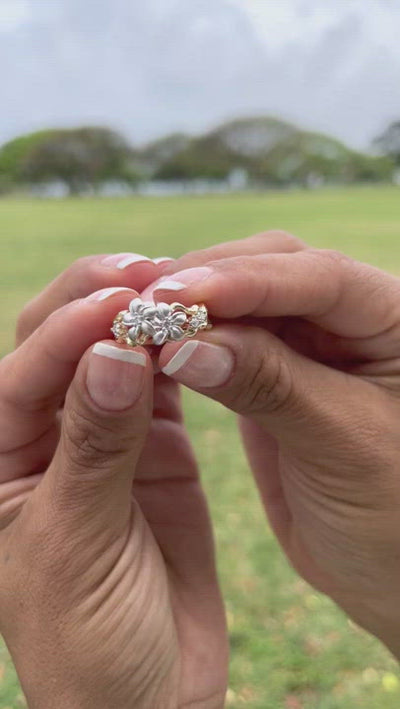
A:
(291, 648)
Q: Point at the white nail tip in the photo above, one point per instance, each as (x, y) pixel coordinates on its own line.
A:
(132, 258)
(109, 292)
(170, 285)
(112, 352)
(162, 259)
(179, 360)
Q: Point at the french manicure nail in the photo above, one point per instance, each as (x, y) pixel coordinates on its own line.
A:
(183, 279)
(162, 259)
(122, 261)
(106, 293)
(169, 285)
(115, 376)
(201, 365)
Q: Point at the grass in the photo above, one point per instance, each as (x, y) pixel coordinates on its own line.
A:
(291, 648)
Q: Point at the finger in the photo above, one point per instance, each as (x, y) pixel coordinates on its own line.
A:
(274, 241)
(254, 373)
(31, 458)
(85, 276)
(348, 298)
(34, 379)
(106, 419)
(168, 454)
(14, 495)
(265, 242)
(168, 489)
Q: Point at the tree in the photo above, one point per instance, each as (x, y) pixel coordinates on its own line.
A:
(12, 157)
(389, 142)
(82, 158)
(272, 152)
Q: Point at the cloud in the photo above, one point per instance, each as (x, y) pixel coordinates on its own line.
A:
(166, 65)
(13, 13)
(305, 21)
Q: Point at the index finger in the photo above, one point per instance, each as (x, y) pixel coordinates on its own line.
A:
(35, 378)
(349, 298)
(88, 275)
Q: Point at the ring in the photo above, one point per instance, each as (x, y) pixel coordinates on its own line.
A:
(155, 324)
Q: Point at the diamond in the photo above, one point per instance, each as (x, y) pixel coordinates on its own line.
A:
(200, 319)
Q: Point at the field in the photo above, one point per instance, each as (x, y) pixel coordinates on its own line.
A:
(291, 648)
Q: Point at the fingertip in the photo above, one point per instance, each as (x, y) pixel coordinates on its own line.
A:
(167, 353)
(107, 293)
(198, 364)
(115, 376)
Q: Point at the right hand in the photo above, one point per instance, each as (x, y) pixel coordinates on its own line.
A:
(108, 599)
(306, 349)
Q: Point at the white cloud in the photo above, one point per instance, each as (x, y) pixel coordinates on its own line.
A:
(165, 65)
(280, 22)
(13, 13)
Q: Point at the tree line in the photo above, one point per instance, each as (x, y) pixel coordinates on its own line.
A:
(264, 151)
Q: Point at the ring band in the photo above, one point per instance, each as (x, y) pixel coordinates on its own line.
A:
(157, 323)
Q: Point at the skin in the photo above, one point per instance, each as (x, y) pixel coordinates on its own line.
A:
(316, 382)
(109, 595)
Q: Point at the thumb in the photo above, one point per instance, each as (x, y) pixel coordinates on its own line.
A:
(105, 423)
(255, 374)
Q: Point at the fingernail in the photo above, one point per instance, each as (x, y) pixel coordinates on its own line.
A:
(201, 365)
(183, 279)
(162, 259)
(115, 376)
(106, 293)
(122, 261)
(148, 292)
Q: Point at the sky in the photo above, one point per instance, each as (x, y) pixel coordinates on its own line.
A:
(151, 67)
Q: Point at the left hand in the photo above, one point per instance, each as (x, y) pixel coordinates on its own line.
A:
(166, 484)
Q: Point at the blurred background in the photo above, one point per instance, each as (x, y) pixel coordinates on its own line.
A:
(170, 125)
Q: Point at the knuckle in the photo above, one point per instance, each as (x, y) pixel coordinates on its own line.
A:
(332, 258)
(289, 241)
(52, 562)
(91, 444)
(269, 389)
(53, 319)
(23, 326)
(81, 277)
(80, 264)
(335, 269)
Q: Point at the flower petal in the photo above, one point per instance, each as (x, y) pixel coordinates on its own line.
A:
(176, 332)
(128, 319)
(134, 332)
(178, 318)
(163, 310)
(160, 337)
(149, 310)
(135, 305)
(148, 328)
(158, 322)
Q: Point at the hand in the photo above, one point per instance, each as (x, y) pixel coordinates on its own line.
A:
(108, 599)
(312, 365)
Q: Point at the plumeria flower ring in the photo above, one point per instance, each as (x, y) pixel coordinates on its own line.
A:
(156, 323)
(165, 324)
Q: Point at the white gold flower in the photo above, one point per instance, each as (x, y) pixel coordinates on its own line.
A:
(163, 324)
(139, 313)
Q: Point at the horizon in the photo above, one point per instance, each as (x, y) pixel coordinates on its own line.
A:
(199, 134)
